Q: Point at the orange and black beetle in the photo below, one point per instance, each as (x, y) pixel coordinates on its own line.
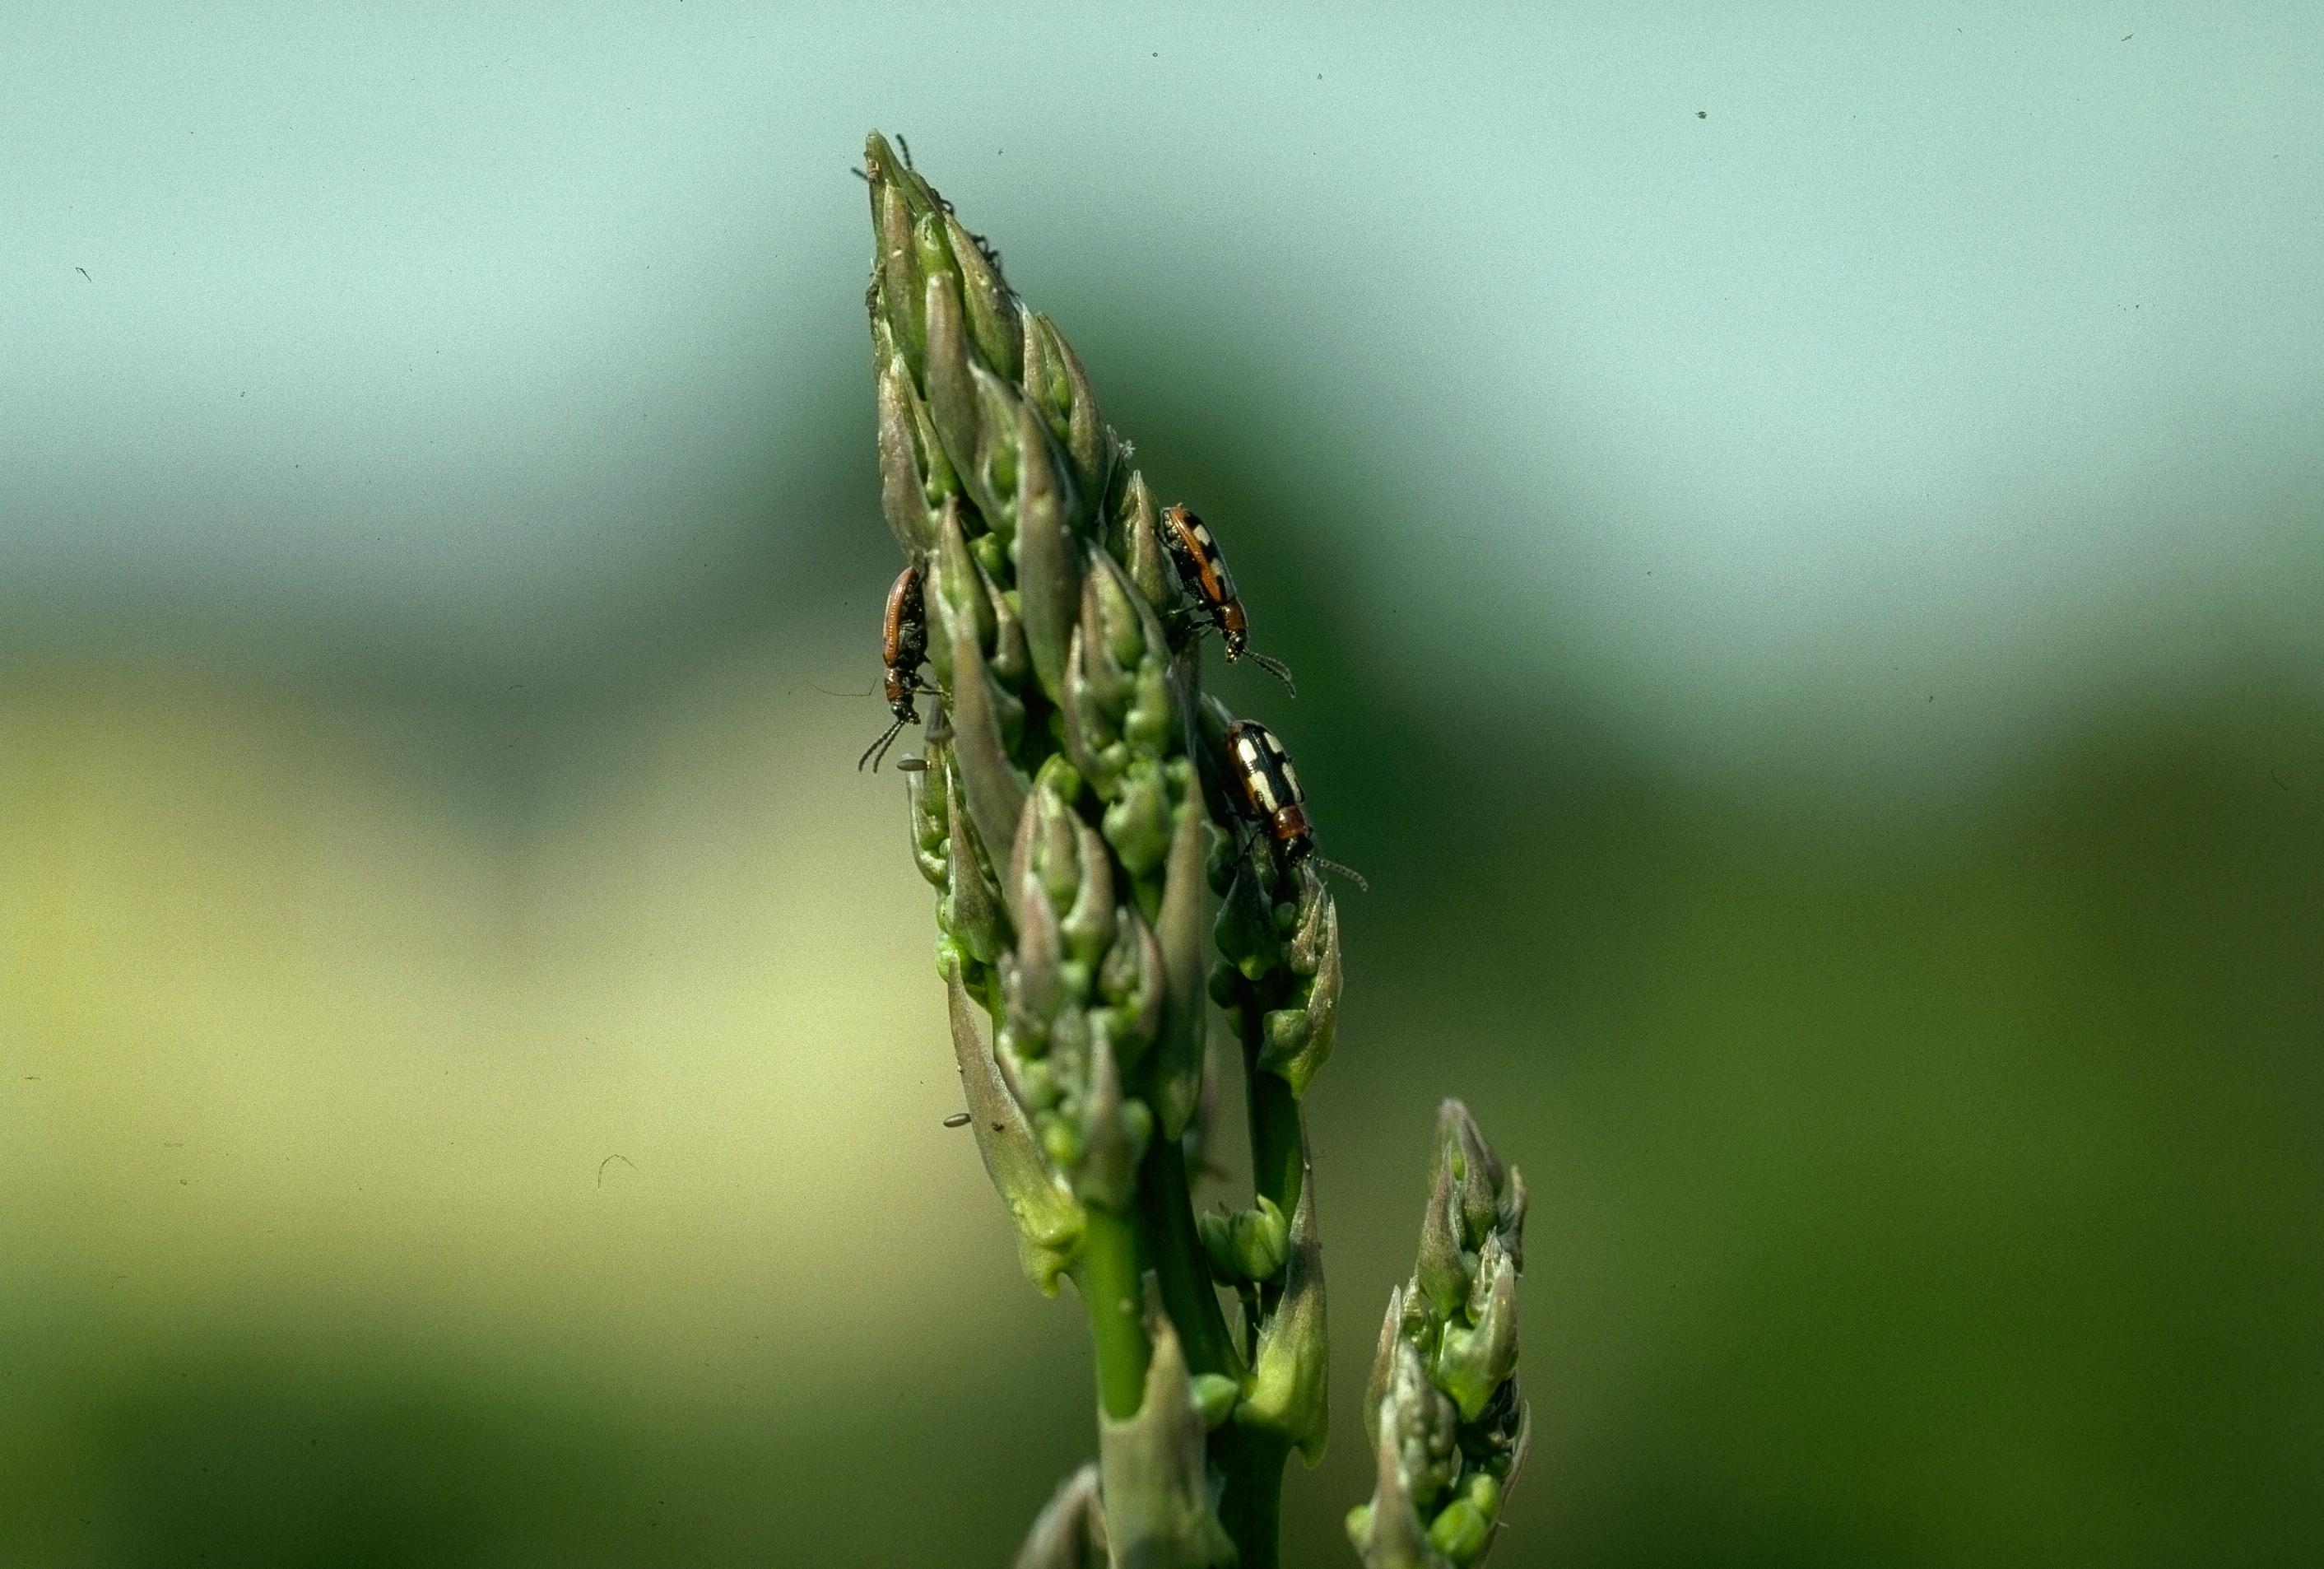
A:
(903, 645)
(1266, 791)
(1203, 569)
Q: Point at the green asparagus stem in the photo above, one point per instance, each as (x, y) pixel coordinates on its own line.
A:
(1075, 814)
(1066, 816)
(1448, 1424)
(1109, 1280)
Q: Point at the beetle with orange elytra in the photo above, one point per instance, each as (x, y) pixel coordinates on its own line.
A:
(1266, 792)
(1203, 569)
(903, 646)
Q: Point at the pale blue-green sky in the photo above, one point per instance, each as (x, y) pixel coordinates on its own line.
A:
(1699, 356)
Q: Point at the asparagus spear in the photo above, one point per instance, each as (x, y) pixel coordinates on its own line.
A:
(1065, 816)
(1448, 1424)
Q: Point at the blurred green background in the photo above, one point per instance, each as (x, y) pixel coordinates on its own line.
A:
(1802, 527)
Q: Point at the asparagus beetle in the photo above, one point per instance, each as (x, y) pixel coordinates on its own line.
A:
(1203, 569)
(1265, 789)
(903, 644)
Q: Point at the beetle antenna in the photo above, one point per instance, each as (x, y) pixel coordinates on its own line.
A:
(878, 749)
(1350, 873)
(1273, 667)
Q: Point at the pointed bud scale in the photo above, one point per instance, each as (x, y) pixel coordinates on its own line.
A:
(939, 480)
(1139, 544)
(1090, 737)
(903, 481)
(1088, 442)
(878, 158)
(1037, 990)
(1104, 683)
(882, 167)
(1089, 922)
(1317, 929)
(1298, 1040)
(931, 250)
(884, 353)
(1048, 561)
(1046, 384)
(959, 592)
(881, 164)
(925, 790)
(1057, 384)
(1476, 1169)
(1122, 619)
(991, 309)
(949, 386)
(1138, 825)
(971, 911)
(1070, 1533)
(1152, 724)
(1290, 1384)
(1490, 1258)
(1383, 1363)
(1159, 1511)
(1112, 1141)
(1132, 984)
(1319, 1013)
(1511, 1224)
(1048, 1221)
(902, 292)
(993, 469)
(1047, 842)
(1442, 1271)
(994, 789)
(1007, 660)
(1150, 630)
(908, 412)
(1471, 1364)
(1178, 1066)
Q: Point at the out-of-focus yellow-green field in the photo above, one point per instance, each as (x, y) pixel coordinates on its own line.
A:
(409, 1167)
